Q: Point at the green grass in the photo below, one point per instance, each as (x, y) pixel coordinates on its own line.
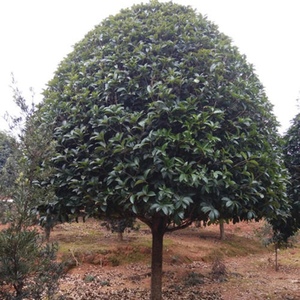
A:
(82, 243)
(85, 240)
(236, 246)
(290, 257)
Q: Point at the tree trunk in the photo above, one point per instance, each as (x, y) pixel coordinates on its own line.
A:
(47, 230)
(48, 226)
(120, 236)
(222, 230)
(276, 257)
(158, 230)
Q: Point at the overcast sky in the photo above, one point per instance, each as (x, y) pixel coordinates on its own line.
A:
(37, 34)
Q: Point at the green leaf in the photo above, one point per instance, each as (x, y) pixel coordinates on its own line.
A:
(253, 162)
(214, 215)
(151, 194)
(139, 182)
(134, 209)
(187, 200)
(229, 203)
(132, 198)
(165, 210)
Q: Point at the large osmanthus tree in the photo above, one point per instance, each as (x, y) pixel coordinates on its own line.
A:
(157, 116)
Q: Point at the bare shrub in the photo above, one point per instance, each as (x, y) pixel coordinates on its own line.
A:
(219, 270)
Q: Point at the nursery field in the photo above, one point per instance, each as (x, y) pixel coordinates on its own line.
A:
(197, 264)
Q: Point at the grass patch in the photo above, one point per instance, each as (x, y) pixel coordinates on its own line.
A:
(236, 246)
(90, 243)
(290, 257)
(81, 242)
(83, 245)
(133, 256)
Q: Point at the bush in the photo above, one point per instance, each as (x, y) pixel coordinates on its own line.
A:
(28, 268)
(193, 279)
(119, 225)
(219, 270)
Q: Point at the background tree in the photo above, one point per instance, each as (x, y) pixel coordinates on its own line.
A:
(9, 152)
(8, 174)
(31, 148)
(158, 117)
(291, 146)
(284, 228)
(119, 225)
(6, 148)
(28, 267)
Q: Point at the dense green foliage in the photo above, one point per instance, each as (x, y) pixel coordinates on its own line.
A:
(8, 167)
(5, 148)
(156, 112)
(28, 269)
(24, 175)
(292, 162)
(157, 116)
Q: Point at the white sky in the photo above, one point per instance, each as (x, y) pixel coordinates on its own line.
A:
(35, 35)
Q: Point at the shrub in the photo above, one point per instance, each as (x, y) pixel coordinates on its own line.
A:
(218, 270)
(193, 279)
(28, 268)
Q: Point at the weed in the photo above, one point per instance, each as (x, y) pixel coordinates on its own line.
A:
(218, 269)
(89, 278)
(174, 259)
(105, 283)
(68, 262)
(114, 261)
(193, 279)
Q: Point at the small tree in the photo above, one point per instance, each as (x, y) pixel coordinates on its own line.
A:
(291, 141)
(283, 228)
(119, 225)
(158, 117)
(28, 267)
(270, 236)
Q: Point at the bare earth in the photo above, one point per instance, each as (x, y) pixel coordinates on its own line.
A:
(102, 267)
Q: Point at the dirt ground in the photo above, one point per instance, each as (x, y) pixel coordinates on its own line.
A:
(102, 267)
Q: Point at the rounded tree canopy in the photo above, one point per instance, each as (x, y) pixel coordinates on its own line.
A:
(155, 112)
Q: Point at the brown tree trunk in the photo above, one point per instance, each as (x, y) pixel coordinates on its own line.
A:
(276, 257)
(158, 230)
(222, 230)
(120, 236)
